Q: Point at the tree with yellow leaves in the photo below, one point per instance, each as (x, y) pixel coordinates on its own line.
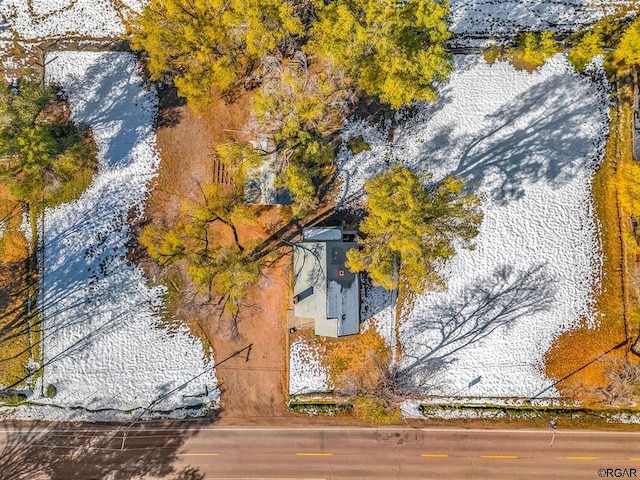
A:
(587, 47)
(529, 53)
(218, 261)
(532, 50)
(300, 111)
(410, 230)
(205, 43)
(394, 50)
(627, 52)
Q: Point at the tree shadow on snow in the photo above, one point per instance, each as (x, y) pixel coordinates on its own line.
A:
(373, 299)
(488, 304)
(479, 18)
(537, 138)
(108, 98)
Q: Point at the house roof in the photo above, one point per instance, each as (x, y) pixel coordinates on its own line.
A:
(326, 291)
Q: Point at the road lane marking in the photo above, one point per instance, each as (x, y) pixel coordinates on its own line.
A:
(635, 459)
(499, 456)
(582, 458)
(199, 454)
(434, 455)
(314, 454)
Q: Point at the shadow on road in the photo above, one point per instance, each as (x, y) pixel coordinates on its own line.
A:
(38, 450)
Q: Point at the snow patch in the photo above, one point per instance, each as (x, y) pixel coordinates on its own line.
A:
(490, 18)
(105, 346)
(306, 372)
(530, 144)
(377, 310)
(34, 19)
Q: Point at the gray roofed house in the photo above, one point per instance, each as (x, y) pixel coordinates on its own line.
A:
(325, 291)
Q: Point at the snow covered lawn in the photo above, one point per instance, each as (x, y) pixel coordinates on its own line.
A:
(31, 19)
(104, 344)
(485, 18)
(530, 143)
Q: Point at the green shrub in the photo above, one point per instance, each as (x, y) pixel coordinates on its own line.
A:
(51, 391)
(376, 410)
(12, 398)
(330, 408)
(357, 145)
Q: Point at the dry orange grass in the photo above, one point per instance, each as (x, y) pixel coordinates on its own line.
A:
(578, 358)
(357, 366)
(354, 358)
(13, 244)
(14, 251)
(15, 344)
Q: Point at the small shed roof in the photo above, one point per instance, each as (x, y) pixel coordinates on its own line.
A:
(321, 234)
(260, 186)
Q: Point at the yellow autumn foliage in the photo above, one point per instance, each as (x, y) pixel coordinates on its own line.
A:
(210, 42)
(411, 230)
(393, 50)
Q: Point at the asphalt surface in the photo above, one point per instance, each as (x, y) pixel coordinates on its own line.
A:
(209, 452)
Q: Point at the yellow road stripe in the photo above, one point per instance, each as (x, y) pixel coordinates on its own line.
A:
(498, 456)
(314, 454)
(635, 459)
(582, 458)
(435, 455)
(199, 454)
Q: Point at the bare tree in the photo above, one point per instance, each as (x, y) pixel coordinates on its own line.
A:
(623, 387)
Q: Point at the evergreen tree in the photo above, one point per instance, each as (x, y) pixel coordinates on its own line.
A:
(41, 158)
(411, 230)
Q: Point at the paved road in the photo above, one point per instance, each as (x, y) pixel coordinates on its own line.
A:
(404, 453)
(206, 452)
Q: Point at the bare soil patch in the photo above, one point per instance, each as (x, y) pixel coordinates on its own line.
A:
(254, 386)
(252, 383)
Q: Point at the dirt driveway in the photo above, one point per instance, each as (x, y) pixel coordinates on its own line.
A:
(252, 383)
(253, 386)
